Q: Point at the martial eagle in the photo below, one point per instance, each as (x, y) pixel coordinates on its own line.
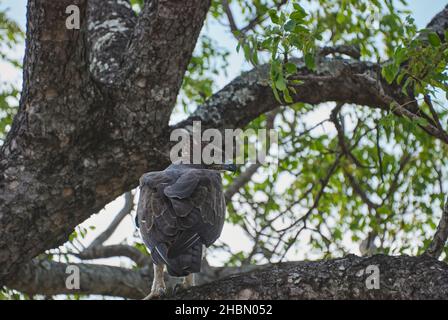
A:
(180, 209)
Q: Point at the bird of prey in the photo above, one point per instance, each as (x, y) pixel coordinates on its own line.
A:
(180, 209)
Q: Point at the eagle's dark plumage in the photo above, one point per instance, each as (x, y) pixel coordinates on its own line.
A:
(180, 209)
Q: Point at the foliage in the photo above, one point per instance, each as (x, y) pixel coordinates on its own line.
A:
(392, 182)
(10, 36)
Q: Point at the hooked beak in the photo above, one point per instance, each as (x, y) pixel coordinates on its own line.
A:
(224, 167)
(230, 167)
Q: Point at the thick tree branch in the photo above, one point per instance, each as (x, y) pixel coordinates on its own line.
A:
(250, 95)
(49, 278)
(156, 59)
(350, 51)
(400, 277)
(40, 147)
(110, 26)
(439, 23)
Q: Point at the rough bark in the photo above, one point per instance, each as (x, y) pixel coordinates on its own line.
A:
(79, 141)
(401, 277)
(250, 95)
(437, 245)
(48, 278)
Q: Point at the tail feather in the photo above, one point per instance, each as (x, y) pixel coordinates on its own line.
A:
(187, 262)
(186, 240)
(182, 265)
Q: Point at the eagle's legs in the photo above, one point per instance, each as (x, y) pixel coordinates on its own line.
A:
(188, 281)
(158, 288)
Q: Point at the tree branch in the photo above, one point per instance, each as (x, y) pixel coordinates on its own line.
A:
(119, 250)
(350, 51)
(439, 23)
(400, 277)
(127, 208)
(250, 95)
(246, 176)
(238, 33)
(110, 26)
(241, 180)
(437, 245)
(156, 60)
(49, 278)
(341, 135)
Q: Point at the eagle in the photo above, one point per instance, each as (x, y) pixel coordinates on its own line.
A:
(180, 210)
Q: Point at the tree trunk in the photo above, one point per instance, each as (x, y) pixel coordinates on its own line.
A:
(83, 136)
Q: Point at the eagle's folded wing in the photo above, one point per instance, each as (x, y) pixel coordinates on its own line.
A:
(178, 209)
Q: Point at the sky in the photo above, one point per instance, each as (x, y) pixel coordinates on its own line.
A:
(422, 11)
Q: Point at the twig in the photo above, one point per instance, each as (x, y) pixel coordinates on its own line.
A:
(324, 183)
(229, 14)
(434, 114)
(100, 252)
(241, 180)
(341, 136)
(237, 32)
(357, 189)
(127, 208)
(245, 177)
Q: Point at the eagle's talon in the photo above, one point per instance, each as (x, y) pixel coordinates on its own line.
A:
(156, 294)
(187, 283)
(178, 287)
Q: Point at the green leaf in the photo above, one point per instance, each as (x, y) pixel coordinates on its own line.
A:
(298, 14)
(309, 61)
(389, 72)
(400, 55)
(280, 83)
(340, 17)
(287, 96)
(289, 25)
(421, 122)
(276, 95)
(434, 39)
(273, 15)
(290, 68)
